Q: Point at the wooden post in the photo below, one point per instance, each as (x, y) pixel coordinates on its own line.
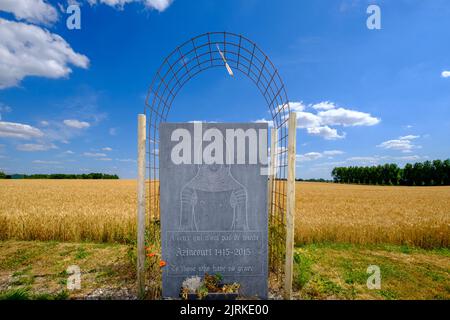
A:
(141, 206)
(290, 214)
(272, 169)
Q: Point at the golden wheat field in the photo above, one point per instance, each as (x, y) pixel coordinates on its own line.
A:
(105, 211)
(418, 216)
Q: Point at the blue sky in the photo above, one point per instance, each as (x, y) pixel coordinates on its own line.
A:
(69, 99)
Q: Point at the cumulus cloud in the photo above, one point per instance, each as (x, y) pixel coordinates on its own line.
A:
(297, 106)
(126, 160)
(318, 119)
(445, 74)
(201, 121)
(269, 122)
(409, 137)
(347, 118)
(307, 120)
(31, 147)
(45, 162)
(91, 154)
(107, 149)
(35, 11)
(28, 50)
(410, 158)
(311, 156)
(368, 159)
(404, 144)
(326, 105)
(19, 131)
(159, 5)
(326, 132)
(104, 159)
(371, 160)
(76, 124)
(333, 152)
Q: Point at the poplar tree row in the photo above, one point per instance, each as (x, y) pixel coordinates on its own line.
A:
(428, 173)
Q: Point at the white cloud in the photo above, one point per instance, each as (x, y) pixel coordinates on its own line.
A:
(18, 130)
(104, 159)
(371, 160)
(91, 154)
(410, 158)
(45, 162)
(328, 115)
(326, 105)
(326, 132)
(310, 156)
(409, 137)
(403, 144)
(307, 120)
(44, 123)
(35, 11)
(28, 50)
(107, 149)
(347, 118)
(76, 124)
(201, 121)
(159, 5)
(69, 152)
(126, 160)
(31, 147)
(364, 159)
(269, 122)
(297, 106)
(113, 131)
(333, 152)
(445, 74)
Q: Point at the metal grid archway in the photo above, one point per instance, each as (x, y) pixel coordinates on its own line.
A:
(185, 62)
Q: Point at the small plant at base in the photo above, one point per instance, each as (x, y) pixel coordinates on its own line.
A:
(231, 288)
(202, 292)
(151, 255)
(190, 285)
(209, 284)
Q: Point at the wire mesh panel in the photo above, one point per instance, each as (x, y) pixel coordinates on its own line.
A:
(210, 50)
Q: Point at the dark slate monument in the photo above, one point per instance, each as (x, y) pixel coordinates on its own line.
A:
(213, 193)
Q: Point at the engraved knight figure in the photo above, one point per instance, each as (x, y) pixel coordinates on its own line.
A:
(213, 201)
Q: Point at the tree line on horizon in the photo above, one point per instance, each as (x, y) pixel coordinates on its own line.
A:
(93, 175)
(428, 173)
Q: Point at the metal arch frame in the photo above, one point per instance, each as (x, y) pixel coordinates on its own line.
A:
(195, 56)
